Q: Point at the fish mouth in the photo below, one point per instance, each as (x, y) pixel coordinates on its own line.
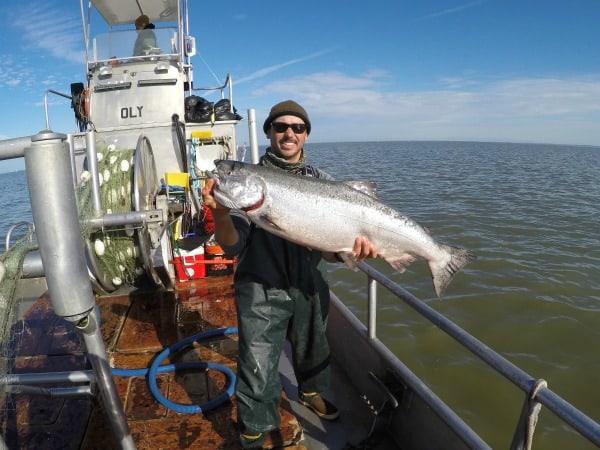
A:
(217, 174)
(224, 200)
(235, 189)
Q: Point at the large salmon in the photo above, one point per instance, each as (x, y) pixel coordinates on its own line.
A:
(328, 215)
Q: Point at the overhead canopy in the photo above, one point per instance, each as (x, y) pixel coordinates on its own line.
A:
(120, 12)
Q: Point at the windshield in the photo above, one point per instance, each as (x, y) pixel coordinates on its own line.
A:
(123, 44)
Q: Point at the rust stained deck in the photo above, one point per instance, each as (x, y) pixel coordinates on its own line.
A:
(135, 327)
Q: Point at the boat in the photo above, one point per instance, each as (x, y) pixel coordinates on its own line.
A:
(119, 325)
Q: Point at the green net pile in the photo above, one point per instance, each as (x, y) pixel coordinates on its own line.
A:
(114, 249)
(11, 267)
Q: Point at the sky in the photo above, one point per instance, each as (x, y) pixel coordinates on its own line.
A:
(463, 70)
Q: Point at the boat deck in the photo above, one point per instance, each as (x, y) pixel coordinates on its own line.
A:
(136, 326)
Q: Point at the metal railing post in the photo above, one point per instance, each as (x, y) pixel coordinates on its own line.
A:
(54, 210)
(252, 134)
(372, 299)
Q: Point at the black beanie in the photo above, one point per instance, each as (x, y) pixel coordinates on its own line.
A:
(287, 108)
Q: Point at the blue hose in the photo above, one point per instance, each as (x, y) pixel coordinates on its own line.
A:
(155, 368)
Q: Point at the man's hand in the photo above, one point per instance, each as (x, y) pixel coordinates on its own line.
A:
(225, 232)
(363, 248)
(209, 200)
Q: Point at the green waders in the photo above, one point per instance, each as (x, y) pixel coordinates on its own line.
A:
(266, 316)
(281, 291)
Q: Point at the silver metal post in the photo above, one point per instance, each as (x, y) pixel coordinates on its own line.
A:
(54, 211)
(96, 353)
(32, 265)
(252, 136)
(92, 167)
(72, 154)
(372, 296)
(14, 148)
(51, 91)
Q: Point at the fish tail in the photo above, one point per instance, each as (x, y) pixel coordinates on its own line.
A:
(442, 273)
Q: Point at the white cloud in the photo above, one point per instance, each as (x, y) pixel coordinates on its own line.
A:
(15, 73)
(526, 109)
(276, 67)
(454, 10)
(52, 29)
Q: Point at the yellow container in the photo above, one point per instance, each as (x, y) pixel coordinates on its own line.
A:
(204, 134)
(177, 179)
(181, 179)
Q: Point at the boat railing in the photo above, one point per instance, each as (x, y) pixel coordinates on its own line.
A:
(52, 91)
(14, 227)
(536, 391)
(227, 85)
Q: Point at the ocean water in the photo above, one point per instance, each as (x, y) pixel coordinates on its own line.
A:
(14, 205)
(530, 214)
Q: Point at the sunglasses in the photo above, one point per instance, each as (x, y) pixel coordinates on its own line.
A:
(280, 127)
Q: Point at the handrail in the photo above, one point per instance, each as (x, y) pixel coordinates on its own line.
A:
(580, 422)
(215, 88)
(22, 223)
(227, 84)
(52, 91)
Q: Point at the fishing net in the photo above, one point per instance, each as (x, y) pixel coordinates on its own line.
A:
(114, 249)
(11, 266)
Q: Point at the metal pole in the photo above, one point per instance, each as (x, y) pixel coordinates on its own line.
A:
(14, 148)
(96, 353)
(72, 154)
(252, 136)
(54, 211)
(32, 265)
(92, 167)
(372, 298)
(73, 376)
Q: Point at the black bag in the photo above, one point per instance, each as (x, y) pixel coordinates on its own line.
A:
(198, 109)
(223, 111)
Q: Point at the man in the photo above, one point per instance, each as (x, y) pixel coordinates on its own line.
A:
(146, 39)
(281, 292)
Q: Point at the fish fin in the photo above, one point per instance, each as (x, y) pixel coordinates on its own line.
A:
(348, 259)
(443, 273)
(366, 187)
(271, 222)
(400, 263)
